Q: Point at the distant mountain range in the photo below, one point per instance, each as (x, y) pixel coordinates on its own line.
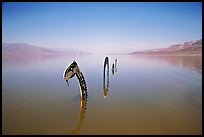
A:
(22, 49)
(187, 48)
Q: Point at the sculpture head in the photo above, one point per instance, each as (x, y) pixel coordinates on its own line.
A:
(71, 71)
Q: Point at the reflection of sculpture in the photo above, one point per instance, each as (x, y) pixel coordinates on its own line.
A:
(83, 108)
(106, 85)
(72, 70)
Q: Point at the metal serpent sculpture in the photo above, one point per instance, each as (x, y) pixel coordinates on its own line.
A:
(106, 85)
(73, 70)
(114, 67)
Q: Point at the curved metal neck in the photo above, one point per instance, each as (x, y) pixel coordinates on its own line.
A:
(79, 77)
(82, 84)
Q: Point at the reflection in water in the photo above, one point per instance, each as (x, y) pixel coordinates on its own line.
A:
(190, 62)
(106, 82)
(83, 108)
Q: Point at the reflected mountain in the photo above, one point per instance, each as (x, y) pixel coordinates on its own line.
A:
(190, 62)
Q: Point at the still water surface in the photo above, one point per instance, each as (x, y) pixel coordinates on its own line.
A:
(143, 95)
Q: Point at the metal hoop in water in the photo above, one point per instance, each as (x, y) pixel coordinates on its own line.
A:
(106, 82)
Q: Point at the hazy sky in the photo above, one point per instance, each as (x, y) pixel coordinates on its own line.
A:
(102, 27)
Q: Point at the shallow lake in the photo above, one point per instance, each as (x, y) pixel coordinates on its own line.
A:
(143, 95)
